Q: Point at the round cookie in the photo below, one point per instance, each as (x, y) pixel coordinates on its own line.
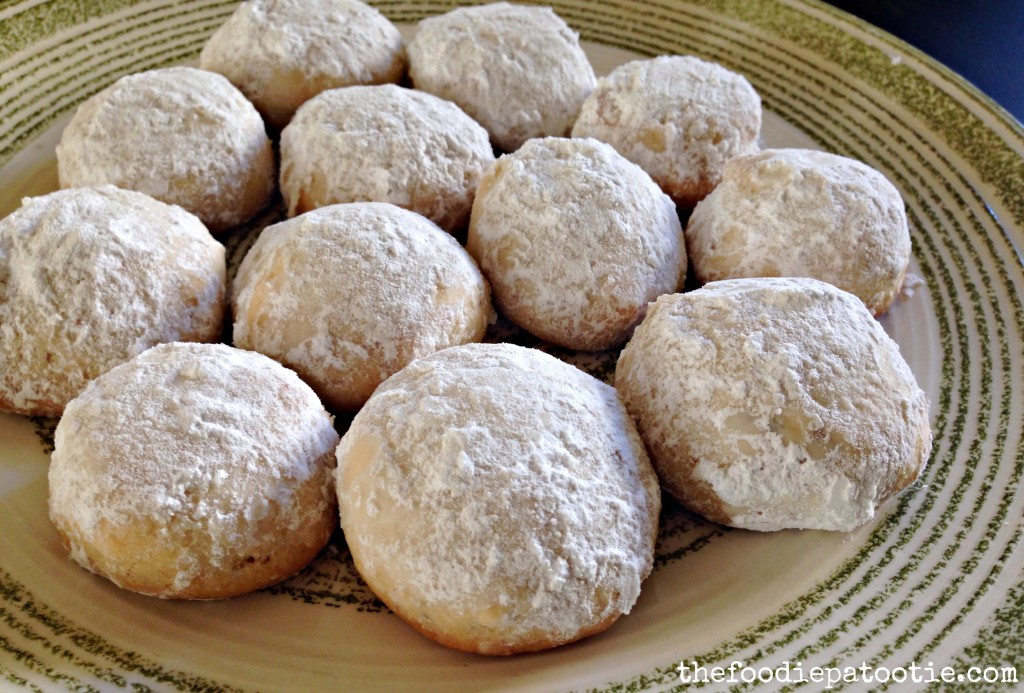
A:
(281, 53)
(575, 241)
(349, 294)
(803, 213)
(194, 471)
(775, 403)
(384, 144)
(679, 118)
(498, 500)
(518, 70)
(90, 278)
(182, 135)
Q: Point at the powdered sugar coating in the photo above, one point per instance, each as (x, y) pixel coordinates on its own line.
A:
(679, 118)
(182, 135)
(349, 294)
(498, 499)
(281, 53)
(518, 70)
(194, 471)
(576, 241)
(774, 403)
(803, 213)
(384, 144)
(90, 278)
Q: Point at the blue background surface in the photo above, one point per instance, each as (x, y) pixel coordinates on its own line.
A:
(982, 40)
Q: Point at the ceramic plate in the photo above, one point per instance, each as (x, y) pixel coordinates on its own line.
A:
(936, 582)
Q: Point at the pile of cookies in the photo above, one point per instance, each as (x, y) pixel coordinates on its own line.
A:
(496, 498)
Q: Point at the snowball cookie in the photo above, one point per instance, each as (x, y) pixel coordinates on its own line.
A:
(575, 241)
(348, 294)
(802, 213)
(679, 117)
(384, 144)
(498, 499)
(517, 70)
(774, 403)
(184, 136)
(90, 278)
(194, 471)
(281, 53)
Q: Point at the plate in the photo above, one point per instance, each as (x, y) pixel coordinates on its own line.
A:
(930, 591)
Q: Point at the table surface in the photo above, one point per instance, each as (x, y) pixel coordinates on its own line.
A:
(981, 41)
